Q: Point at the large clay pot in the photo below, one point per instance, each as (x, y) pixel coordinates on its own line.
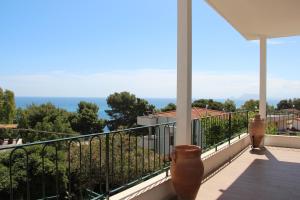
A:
(187, 171)
(257, 129)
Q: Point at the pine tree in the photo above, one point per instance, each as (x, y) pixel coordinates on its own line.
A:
(9, 107)
(1, 105)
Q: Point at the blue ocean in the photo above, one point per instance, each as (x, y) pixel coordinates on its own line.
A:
(70, 103)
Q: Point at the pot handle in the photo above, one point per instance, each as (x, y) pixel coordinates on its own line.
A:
(173, 156)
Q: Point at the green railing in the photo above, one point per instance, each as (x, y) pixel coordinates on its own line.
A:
(209, 132)
(83, 167)
(96, 166)
(283, 123)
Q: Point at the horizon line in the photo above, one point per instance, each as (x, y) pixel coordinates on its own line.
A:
(224, 98)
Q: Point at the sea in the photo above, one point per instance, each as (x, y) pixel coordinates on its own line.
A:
(70, 103)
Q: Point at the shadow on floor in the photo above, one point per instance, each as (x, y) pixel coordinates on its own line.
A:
(266, 179)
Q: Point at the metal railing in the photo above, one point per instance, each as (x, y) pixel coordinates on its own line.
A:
(98, 165)
(209, 132)
(84, 167)
(283, 123)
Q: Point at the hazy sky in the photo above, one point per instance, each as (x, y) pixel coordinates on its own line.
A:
(96, 47)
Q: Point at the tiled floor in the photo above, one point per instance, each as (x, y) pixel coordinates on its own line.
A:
(272, 173)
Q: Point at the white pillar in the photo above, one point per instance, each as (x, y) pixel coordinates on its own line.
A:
(263, 78)
(184, 72)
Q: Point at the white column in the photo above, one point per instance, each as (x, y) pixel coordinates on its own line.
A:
(263, 78)
(184, 72)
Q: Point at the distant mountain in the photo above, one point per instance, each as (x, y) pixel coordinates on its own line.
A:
(248, 96)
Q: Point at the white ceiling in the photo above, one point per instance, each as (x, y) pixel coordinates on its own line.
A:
(261, 18)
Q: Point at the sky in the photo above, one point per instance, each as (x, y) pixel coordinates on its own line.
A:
(92, 48)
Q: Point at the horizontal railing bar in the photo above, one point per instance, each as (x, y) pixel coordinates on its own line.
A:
(83, 136)
(94, 193)
(223, 114)
(50, 197)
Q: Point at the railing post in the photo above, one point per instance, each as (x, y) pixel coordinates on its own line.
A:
(107, 165)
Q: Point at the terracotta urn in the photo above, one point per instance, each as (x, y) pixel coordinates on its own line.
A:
(257, 130)
(187, 171)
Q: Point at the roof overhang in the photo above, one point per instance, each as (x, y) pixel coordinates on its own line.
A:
(261, 18)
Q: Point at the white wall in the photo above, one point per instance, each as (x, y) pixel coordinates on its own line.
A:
(282, 141)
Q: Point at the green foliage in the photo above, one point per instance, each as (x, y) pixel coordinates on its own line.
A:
(296, 103)
(86, 119)
(45, 117)
(202, 103)
(285, 104)
(220, 129)
(35, 172)
(29, 135)
(229, 106)
(289, 103)
(1, 105)
(124, 109)
(214, 132)
(270, 108)
(169, 107)
(126, 163)
(4, 181)
(251, 105)
(7, 106)
(271, 128)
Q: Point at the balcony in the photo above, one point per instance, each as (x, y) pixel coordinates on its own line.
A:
(234, 171)
(102, 165)
(126, 164)
(238, 172)
(269, 174)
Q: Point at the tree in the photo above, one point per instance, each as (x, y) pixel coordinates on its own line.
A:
(86, 119)
(251, 105)
(169, 107)
(8, 107)
(217, 129)
(210, 103)
(1, 105)
(35, 171)
(296, 103)
(124, 109)
(45, 117)
(229, 106)
(122, 156)
(22, 118)
(80, 174)
(285, 104)
(270, 108)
